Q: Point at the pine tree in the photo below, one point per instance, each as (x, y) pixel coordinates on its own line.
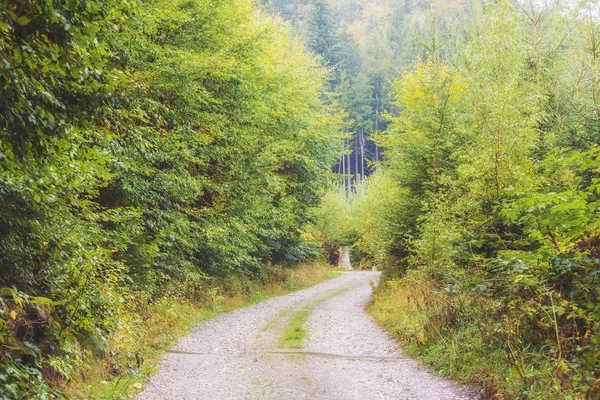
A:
(322, 34)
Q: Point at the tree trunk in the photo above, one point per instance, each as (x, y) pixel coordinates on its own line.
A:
(377, 112)
(356, 174)
(344, 258)
(343, 169)
(348, 178)
(377, 119)
(362, 153)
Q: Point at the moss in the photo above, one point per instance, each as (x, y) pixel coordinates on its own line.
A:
(295, 332)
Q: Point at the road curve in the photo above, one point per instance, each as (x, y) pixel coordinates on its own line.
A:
(345, 356)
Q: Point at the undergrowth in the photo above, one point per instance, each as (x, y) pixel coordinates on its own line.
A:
(463, 336)
(147, 330)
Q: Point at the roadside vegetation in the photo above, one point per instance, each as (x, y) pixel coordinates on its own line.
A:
(148, 330)
(154, 156)
(484, 210)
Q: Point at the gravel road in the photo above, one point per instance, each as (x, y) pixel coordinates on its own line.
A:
(345, 356)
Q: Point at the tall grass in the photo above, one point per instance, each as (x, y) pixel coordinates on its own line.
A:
(147, 330)
(460, 337)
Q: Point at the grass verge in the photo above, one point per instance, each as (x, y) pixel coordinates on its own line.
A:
(148, 330)
(295, 332)
(457, 339)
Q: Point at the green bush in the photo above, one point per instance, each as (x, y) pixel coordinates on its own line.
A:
(493, 223)
(147, 150)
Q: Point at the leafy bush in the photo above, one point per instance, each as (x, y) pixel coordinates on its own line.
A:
(147, 149)
(494, 228)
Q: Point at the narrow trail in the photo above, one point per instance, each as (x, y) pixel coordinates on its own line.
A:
(345, 355)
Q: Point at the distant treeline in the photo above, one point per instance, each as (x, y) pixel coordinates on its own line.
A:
(365, 44)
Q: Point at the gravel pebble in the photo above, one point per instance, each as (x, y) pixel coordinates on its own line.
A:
(235, 355)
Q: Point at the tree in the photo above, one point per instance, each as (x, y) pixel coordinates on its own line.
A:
(147, 150)
(322, 37)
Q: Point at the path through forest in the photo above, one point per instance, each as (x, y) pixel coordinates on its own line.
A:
(240, 355)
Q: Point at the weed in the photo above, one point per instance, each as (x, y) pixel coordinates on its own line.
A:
(295, 332)
(148, 329)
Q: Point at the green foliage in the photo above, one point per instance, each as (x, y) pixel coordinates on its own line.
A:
(146, 146)
(322, 36)
(333, 219)
(30, 330)
(495, 163)
(419, 150)
(376, 216)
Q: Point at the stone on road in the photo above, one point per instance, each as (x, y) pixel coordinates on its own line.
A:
(345, 355)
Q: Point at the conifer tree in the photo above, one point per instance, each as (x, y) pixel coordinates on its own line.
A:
(322, 36)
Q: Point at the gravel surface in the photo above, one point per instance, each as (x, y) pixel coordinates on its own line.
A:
(346, 355)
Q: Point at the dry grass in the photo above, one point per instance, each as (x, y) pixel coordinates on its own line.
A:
(145, 332)
(455, 335)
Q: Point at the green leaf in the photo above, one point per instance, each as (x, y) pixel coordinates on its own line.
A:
(23, 20)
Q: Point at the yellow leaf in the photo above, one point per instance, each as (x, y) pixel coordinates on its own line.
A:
(13, 314)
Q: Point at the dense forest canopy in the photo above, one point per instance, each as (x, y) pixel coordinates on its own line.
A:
(366, 44)
(147, 149)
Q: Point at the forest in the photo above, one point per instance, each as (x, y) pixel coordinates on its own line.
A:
(483, 209)
(148, 150)
(158, 157)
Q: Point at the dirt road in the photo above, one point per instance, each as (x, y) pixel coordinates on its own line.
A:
(345, 355)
